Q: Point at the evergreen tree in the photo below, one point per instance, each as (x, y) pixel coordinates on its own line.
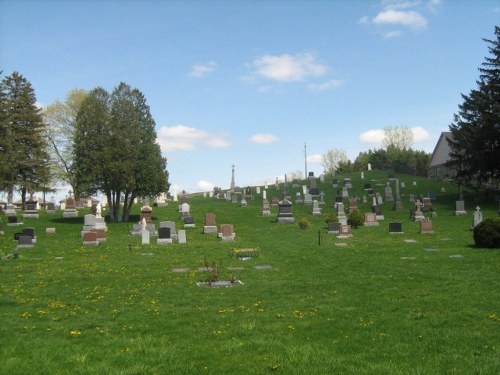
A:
(23, 147)
(115, 149)
(475, 143)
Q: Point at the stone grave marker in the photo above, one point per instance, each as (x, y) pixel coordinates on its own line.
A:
(164, 237)
(389, 197)
(426, 226)
(90, 239)
(189, 222)
(321, 198)
(181, 237)
(13, 222)
(50, 230)
(477, 217)
(395, 228)
(353, 204)
(313, 187)
(460, 208)
(316, 210)
(171, 226)
(371, 219)
(345, 231)
(285, 215)
(227, 233)
(275, 201)
(210, 225)
(308, 199)
(341, 213)
(29, 232)
(70, 208)
(145, 237)
(24, 241)
(266, 208)
(100, 234)
(334, 228)
(298, 198)
(50, 208)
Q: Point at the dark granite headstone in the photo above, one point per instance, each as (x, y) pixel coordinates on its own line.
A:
(163, 232)
(12, 219)
(395, 227)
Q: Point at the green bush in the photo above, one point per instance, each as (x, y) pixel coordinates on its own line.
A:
(332, 218)
(304, 224)
(355, 218)
(487, 233)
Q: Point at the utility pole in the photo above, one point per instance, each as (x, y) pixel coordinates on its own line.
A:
(305, 160)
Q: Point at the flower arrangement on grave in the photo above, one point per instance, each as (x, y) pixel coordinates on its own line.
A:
(249, 252)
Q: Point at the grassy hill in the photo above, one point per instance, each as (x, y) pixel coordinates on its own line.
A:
(376, 304)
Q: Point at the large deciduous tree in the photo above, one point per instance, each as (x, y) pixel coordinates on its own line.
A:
(115, 149)
(23, 147)
(475, 142)
(60, 118)
(397, 137)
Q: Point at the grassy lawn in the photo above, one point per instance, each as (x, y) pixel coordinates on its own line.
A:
(379, 305)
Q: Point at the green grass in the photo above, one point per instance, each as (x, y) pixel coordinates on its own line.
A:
(376, 306)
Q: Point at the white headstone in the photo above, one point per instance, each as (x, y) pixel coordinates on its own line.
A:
(264, 194)
(182, 236)
(362, 175)
(145, 236)
(369, 166)
(258, 189)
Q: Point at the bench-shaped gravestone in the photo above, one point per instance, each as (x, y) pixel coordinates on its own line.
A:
(395, 228)
(164, 237)
(210, 223)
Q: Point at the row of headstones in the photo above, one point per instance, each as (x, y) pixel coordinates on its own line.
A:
(345, 230)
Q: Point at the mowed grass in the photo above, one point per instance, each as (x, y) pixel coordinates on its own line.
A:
(379, 305)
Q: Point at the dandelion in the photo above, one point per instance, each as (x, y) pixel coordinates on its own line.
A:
(75, 333)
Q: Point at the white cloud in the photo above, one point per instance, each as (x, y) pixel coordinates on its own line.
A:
(185, 138)
(263, 138)
(411, 19)
(372, 136)
(288, 68)
(200, 70)
(203, 185)
(375, 136)
(316, 158)
(392, 34)
(420, 134)
(328, 85)
(399, 4)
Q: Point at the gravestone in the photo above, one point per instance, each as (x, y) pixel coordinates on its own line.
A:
(308, 199)
(285, 215)
(388, 194)
(210, 224)
(367, 187)
(31, 211)
(275, 201)
(316, 209)
(304, 189)
(477, 217)
(460, 208)
(411, 198)
(321, 198)
(90, 239)
(341, 213)
(334, 228)
(313, 187)
(88, 222)
(243, 202)
(347, 183)
(171, 226)
(70, 208)
(164, 237)
(345, 231)
(50, 208)
(227, 234)
(258, 189)
(353, 204)
(182, 236)
(50, 230)
(189, 222)
(24, 241)
(295, 183)
(248, 192)
(371, 219)
(395, 228)
(426, 226)
(145, 237)
(100, 234)
(335, 183)
(146, 214)
(345, 192)
(298, 198)
(426, 204)
(418, 212)
(266, 208)
(29, 232)
(369, 166)
(10, 210)
(13, 222)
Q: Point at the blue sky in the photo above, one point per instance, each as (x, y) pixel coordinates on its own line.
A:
(249, 82)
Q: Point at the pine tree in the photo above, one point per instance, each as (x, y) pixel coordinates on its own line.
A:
(475, 143)
(24, 153)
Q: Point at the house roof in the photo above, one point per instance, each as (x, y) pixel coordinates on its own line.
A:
(441, 153)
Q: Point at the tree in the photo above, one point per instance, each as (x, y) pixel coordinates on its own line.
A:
(60, 118)
(397, 137)
(23, 149)
(331, 160)
(475, 141)
(115, 149)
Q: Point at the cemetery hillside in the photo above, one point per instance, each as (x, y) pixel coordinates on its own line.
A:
(362, 273)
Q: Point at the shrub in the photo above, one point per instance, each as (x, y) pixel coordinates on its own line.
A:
(355, 218)
(487, 233)
(332, 218)
(304, 224)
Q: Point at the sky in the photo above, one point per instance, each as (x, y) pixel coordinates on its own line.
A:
(258, 84)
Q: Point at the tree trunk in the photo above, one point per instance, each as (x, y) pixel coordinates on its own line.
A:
(126, 213)
(23, 198)
(110, 206)
(126, 203)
